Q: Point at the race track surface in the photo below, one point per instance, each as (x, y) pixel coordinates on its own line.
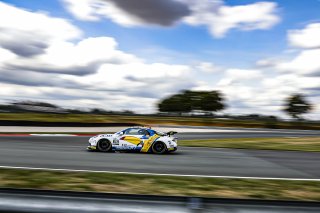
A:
(69, 153)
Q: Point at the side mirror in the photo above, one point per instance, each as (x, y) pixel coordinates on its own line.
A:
(121, 133)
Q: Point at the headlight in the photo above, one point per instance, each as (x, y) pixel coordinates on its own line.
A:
(91, 140)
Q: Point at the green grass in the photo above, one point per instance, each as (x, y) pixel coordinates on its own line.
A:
(151, 120)
(311, 144)
(162, 185)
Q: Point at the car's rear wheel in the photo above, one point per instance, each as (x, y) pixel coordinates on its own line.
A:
(104, 145)
(159, 148)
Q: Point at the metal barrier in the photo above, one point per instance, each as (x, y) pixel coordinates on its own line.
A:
(29, 200)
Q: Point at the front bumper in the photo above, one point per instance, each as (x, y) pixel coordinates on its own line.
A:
(173, 149)
(91, 147)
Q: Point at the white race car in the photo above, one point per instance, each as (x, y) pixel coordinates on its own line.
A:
(139, 139)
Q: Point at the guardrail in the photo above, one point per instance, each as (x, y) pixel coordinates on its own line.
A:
(29, 200)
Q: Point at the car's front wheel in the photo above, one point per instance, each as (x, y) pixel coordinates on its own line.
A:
(159, 148)
(104, 145)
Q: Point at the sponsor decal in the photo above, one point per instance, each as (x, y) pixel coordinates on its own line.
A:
(116, 141)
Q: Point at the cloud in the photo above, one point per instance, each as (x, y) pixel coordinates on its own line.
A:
(305, 38)
(27, 78)
(218, 17)
(164, 12)
(291, 83)
(129, 12)
(254, 91)
(82, 58)
(305, 63)
(34, 30)
(269, 62)
(241, 90)
(89, 72)
(5, 55)
(208, 67)
(299, 73)
(236, 75)
(140, 79)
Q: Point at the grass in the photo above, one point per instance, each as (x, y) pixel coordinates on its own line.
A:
(152, 120)
(162, 185)
(310, 144)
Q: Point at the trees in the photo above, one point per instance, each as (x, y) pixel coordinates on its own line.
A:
(176, 103)
(192, 100)
(211, 101)
(296, 105)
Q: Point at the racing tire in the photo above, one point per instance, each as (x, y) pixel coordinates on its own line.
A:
(104, 145)
(159, 147)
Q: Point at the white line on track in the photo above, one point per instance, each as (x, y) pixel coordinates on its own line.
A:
(159, 174)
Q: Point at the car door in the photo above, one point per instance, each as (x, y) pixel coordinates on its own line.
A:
(131, 139)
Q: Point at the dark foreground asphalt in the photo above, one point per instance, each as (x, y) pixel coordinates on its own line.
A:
(69, 153)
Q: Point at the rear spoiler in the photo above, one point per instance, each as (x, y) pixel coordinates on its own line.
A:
(171, 133)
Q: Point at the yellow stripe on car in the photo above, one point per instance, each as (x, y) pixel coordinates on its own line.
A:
(148, 143)
(132, 139)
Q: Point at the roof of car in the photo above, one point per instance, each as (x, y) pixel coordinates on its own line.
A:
(142, 127)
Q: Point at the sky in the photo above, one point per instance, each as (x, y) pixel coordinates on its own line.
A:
(129, 54)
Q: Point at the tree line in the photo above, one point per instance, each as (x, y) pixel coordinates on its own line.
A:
(213, 101)
(188, 101)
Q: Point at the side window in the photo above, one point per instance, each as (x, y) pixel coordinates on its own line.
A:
(143, 132)
(133, 131)
(126, 131)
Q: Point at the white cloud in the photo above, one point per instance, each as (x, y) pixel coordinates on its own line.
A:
(298, 74)
(29, 33)
(77, 98)
(242, 74)
(94, 10)
(87, 71)
(280, 87)
(305, 38)
(218, 17)
(208, 67)
(305, 63)
(6, 55)
(250, 91)
(84, 9)
(265, 63)
(139, 79)
(241, 91)
(221, 18)
(82, 58)
(291, 83)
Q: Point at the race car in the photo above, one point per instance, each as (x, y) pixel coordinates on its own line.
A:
(136, 139)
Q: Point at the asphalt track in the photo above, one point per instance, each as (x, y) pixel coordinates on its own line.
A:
(66, 152)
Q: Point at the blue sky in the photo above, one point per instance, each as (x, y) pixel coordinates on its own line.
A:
(250, 50)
